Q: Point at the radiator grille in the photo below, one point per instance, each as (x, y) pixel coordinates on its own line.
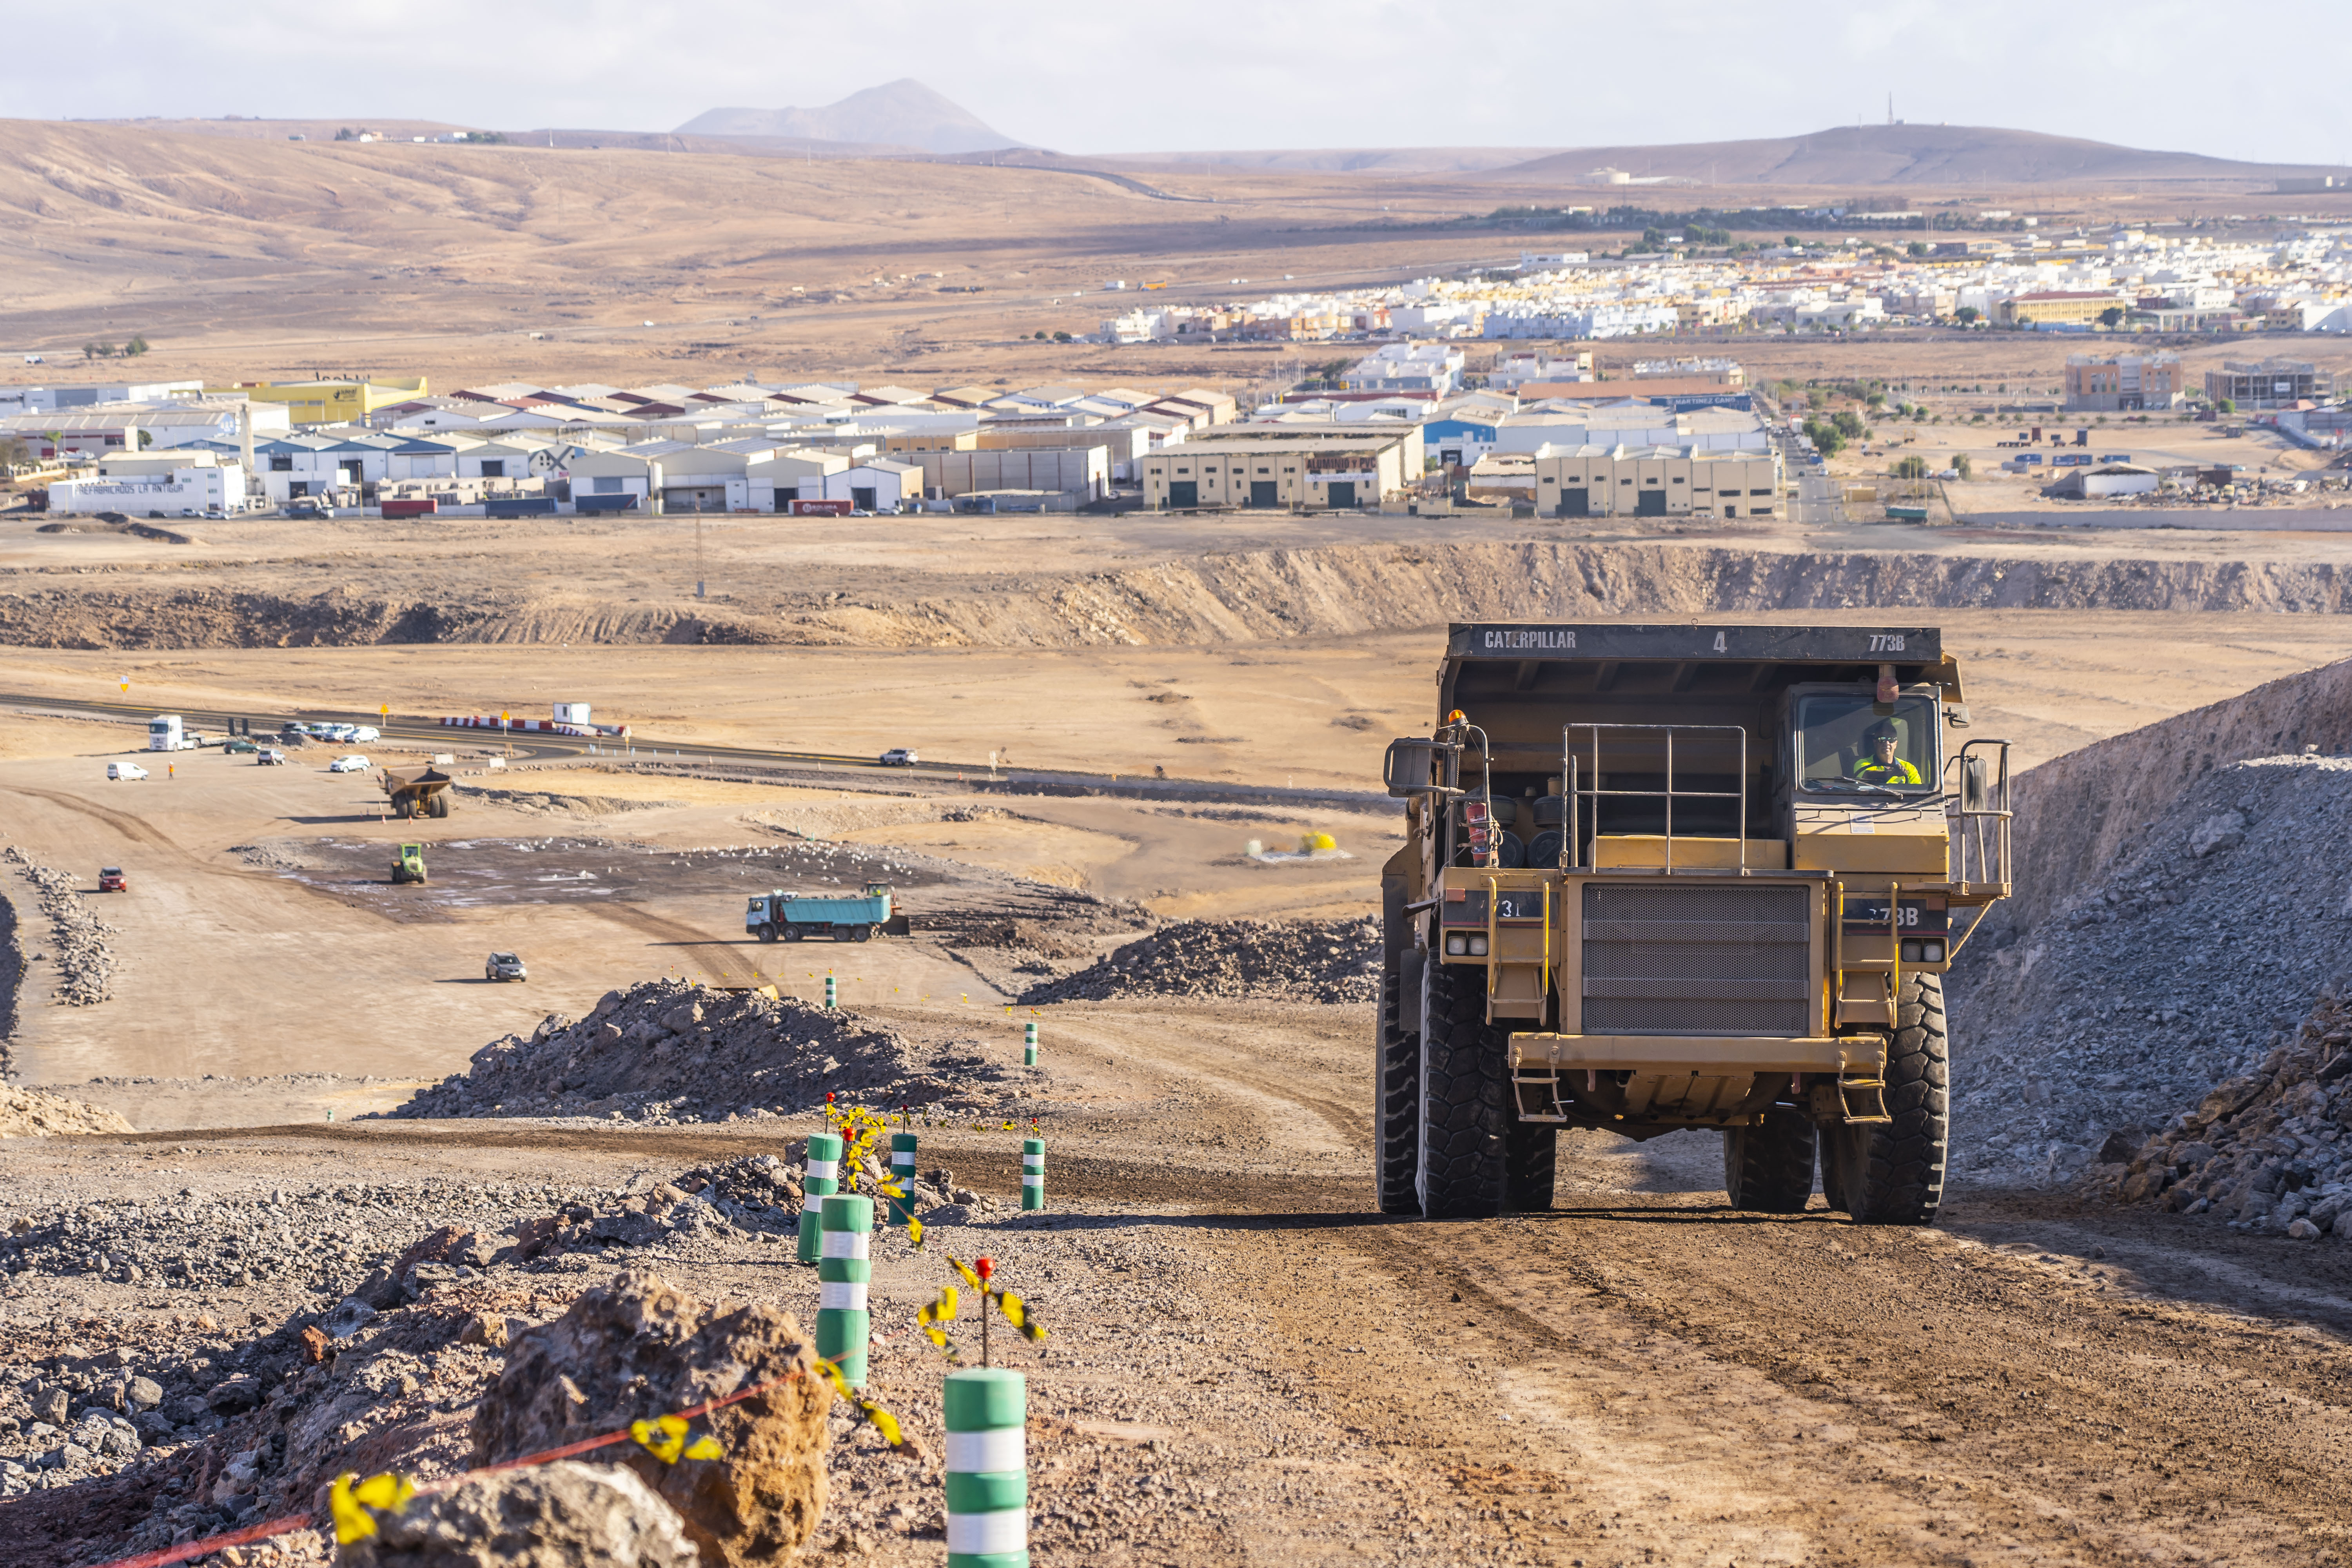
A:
(1696, 958)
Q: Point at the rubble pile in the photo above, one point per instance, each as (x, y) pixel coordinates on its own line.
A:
(2188, 957)
(78, 939)
(2266, 1151)
(757, 1195)
(666, 1052)
(34, 1114)
(318, 1238)
(1284, 961)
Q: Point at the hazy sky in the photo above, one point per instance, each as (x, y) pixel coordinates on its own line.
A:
(1230, 73)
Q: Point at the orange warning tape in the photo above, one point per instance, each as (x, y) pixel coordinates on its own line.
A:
(641, 1432)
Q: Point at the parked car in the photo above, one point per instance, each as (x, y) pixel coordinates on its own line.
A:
(268, 756)
(238, 746)
(363, 733)
(110, 880)
(900, 757)
(354, 763)
(125, 771)
(504, 966)
(340, 732)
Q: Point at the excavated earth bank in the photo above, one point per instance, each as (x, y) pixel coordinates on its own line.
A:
(2181, 903)
(1326, 591)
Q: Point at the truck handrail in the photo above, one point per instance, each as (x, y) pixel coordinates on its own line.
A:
(1576, 792)
(1980, 805)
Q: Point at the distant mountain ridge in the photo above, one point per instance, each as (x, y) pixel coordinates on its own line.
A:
(902, 113)
(1898, 155)
(1895, 156)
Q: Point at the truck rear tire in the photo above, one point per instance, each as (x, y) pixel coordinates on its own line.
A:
(1892, 1172)
(1530, 1163)
(1465, 1096)
(1396, 1096)
(861, 933)
(791, 932)
(1768, 1166)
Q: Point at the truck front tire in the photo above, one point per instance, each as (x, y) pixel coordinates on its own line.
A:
(1892, 1172)
(1396, 1095)
(765, 932)
(1465, 1096)
(1767, 1165)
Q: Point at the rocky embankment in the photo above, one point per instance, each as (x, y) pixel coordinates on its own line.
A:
(1277, 961)
(1245, 597)
(2270, 1150)
(78, 944)
(2182, 901)
(667, 1052)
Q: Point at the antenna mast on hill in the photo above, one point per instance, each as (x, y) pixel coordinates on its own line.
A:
(1890, 108)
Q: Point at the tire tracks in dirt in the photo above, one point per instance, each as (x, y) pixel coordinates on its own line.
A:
(724, 965)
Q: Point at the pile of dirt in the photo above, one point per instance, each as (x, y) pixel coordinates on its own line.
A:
(666, 1052)
(2181, 962)
(31, 1113)
(1282, 960)
(2266, 1151)
(83, 956)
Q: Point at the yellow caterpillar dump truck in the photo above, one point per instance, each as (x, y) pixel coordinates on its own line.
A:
(425, 793)
(1702, 877)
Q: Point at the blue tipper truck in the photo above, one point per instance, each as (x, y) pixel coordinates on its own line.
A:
(795, 917)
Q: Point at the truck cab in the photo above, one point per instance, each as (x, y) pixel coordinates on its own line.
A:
(164, 734)
(1672, 877)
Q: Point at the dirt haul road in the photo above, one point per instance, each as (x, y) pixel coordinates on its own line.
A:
(1248, 1365)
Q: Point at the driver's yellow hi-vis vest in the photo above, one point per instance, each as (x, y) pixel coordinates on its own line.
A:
(1900, 772)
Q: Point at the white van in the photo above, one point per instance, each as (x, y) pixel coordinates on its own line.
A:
(125, 771)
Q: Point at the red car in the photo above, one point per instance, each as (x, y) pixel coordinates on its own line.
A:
(110, 880)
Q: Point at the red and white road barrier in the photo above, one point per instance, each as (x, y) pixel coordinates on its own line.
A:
(539, 726)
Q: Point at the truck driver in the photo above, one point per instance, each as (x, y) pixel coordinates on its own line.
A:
(1883, 767)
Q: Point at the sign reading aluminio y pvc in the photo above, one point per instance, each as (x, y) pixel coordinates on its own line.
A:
(1790, 644)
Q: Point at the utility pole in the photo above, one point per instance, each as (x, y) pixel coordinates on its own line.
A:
(701, 583)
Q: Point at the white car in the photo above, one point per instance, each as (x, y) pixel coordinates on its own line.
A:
(125, 771)
(900, 757)
(365, 733)
(354, 763)
(343, 732)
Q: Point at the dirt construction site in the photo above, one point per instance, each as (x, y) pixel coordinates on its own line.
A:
(292, 1182)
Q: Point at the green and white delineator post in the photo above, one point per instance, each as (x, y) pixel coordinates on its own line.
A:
(843, 1321)
(1029, 1044)
(820, 1177)
(988, 1468)
(902, 1175)
(1032, 1173)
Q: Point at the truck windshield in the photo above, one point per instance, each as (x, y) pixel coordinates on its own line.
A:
(1845, 746)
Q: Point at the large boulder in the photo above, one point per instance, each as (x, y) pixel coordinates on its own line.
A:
(638, 1348)
(564, 1515)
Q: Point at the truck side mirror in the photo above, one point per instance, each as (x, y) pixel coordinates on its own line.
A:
(1975, 784)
